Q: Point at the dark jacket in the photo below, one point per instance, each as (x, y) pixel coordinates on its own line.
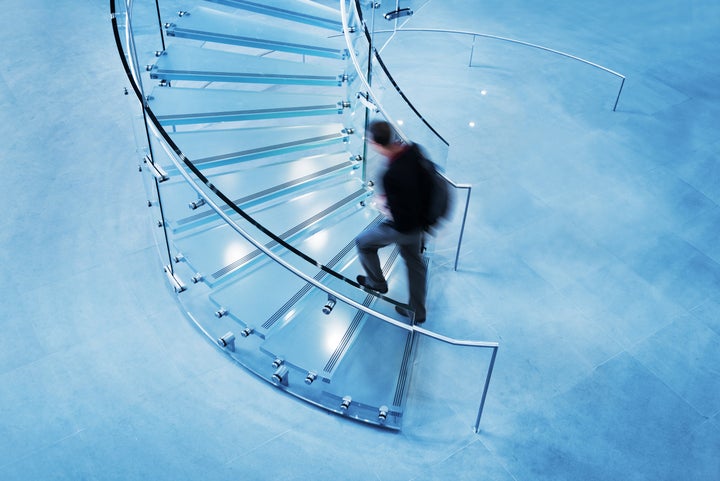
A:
(406, 188)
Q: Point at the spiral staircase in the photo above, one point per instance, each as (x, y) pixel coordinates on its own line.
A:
(258, 182)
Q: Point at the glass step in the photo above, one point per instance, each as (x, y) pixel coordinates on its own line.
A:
(332, 247)
(212, 148)
(374, 373)
(302, 11)
(251, 186)
(326, 337)
(185, 106)
(210, 25)
(219, 252)
(183, 62)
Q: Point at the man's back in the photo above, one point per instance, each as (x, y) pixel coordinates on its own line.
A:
(405, 187)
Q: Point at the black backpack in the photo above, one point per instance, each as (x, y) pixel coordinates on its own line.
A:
(438, 199)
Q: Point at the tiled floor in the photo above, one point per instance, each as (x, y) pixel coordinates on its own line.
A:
(591, 256)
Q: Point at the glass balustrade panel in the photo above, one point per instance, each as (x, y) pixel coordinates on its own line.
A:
(388, 95)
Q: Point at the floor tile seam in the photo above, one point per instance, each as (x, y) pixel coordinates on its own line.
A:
(699, 318)
(590, 241)
(250, 451)
(87, 342)
(569, 280)
(32, 454)
(683, 311)
(501, 460)
(29, 365)
(478, 440)
(715, 419)
(130, 406)
(141, 397)
(43, 283)
(715, 258)
(657, 375)
(675, 266)
(650, 288)
(711, 420)
(686, 434)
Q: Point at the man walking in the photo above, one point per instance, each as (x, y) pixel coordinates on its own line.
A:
(405, 188)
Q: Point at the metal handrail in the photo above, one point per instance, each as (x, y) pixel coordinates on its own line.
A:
(467, 187)
(519, 42)
(180, 161)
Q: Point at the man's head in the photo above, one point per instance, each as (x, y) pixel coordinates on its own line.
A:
(381, 133)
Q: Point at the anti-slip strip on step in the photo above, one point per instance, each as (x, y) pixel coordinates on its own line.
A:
(345, 341)
(304, 291)
(289, 233)
(369, 299)
(404, 371)
(285, 307)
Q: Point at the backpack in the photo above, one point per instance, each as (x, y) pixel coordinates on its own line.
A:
(438, 198)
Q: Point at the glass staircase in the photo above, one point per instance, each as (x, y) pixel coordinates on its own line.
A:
(258, 182)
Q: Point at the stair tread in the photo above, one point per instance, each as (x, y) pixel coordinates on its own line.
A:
(187, 62)
(255, 184)
(337, 331)
(179, 105)
(325, 338)
(219, 250)
(303, 11)
(329, 248)
(210, 147)
(374, 369)
(208, 24)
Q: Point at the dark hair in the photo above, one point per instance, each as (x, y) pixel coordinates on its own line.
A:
(381, 133)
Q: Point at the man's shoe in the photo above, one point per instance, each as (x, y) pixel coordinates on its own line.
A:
(362, 280)
(405, 313)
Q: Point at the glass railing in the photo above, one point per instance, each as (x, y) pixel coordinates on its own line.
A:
(242, 242)
(378, 87)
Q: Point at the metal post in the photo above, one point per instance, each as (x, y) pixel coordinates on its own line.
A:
(462, 228)
(619, 92)
(485, 389)
(162, 35)
(472, 51)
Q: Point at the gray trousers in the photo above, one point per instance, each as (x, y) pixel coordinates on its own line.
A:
(382, 235)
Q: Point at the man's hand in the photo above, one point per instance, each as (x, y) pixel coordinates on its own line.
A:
(380, 204)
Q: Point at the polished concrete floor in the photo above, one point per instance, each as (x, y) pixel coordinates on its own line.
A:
(591, 255)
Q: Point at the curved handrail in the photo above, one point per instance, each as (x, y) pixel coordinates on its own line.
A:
(366, 83)
(519, 42)
(174, 151)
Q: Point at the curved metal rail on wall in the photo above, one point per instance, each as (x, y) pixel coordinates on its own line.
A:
(186, 168)
(474, 35)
